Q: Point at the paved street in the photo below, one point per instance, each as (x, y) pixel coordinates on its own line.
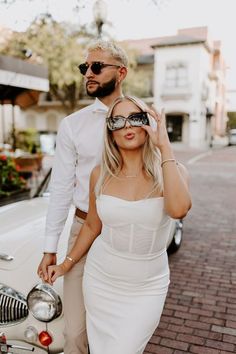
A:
(200, 311)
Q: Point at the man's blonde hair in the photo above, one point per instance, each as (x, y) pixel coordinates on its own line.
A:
(112, 160)
(116, 51)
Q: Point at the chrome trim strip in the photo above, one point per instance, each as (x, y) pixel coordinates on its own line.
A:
(6, 257)
(13, 306)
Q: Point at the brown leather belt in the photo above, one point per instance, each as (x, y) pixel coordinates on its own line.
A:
(80, 213)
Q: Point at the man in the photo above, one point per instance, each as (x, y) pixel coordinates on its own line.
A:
(78, 150)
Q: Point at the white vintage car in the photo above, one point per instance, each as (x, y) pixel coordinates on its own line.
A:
(31, 313)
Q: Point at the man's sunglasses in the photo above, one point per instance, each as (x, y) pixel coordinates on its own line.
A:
(135, 120)
(96, 67)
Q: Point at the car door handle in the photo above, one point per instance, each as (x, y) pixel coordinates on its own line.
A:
(6, 257)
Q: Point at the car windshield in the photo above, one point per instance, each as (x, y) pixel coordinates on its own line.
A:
(43, 189)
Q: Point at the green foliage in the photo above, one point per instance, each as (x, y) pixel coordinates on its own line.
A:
(10, 179)
(28, 140)
(231, 124)
(138, 80)
(137, 83)
(52, 44)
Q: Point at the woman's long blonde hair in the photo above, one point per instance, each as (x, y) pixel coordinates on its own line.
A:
(112, 161)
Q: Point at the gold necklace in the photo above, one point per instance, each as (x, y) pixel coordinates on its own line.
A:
(131, 176)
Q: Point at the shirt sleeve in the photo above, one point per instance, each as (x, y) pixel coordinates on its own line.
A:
(62, 186)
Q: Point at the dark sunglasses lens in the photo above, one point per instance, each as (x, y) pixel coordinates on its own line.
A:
(96, 68)
(139, 119)
(83, 68)
(135, 120)
(115, 123)
(145, 119)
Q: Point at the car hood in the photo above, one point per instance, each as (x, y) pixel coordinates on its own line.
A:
(22, 227)
(21, 230)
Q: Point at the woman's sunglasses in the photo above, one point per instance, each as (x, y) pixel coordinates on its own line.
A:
(135, 120)
(96, 67)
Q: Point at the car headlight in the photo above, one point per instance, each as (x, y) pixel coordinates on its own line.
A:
(44, 303)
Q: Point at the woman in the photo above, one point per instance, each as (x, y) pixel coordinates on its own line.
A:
(134, 194)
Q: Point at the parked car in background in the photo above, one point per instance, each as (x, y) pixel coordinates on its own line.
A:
(31, 313)
(232, 137)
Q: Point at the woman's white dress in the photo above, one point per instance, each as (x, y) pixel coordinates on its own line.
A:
(126, 275)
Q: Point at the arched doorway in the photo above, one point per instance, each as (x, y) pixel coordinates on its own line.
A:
(174, 124)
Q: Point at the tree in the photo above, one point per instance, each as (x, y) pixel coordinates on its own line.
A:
(139, 80)
(53, 44)
(60, 47)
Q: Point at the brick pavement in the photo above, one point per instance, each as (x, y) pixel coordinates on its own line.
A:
(200, 311)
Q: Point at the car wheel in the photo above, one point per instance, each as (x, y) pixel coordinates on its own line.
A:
(177, 237)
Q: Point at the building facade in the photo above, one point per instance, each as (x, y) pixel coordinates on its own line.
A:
(189, 83)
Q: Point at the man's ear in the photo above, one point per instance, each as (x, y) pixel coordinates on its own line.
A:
(122, 73)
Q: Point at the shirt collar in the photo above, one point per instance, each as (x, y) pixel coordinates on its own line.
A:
(98, 106)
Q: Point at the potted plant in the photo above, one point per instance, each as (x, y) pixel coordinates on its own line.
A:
(12, 186)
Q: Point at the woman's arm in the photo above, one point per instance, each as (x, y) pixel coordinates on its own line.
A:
(88, 233)
(177, 198)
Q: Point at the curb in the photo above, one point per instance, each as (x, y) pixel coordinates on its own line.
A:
(199, 157)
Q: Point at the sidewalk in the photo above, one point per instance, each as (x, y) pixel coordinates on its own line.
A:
(184, 154)
(200, 311)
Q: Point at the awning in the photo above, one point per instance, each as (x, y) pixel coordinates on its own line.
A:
(21, 82)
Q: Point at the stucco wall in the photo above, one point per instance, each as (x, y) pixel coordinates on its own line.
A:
(191, 99)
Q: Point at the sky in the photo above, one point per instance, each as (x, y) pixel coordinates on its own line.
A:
(138, 19)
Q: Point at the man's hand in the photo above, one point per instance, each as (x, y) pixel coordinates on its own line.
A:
(47, 260)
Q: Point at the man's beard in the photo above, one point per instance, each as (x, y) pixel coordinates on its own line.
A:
(103, 90)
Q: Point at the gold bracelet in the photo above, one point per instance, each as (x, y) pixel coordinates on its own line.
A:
(70, 259)
(168, 160)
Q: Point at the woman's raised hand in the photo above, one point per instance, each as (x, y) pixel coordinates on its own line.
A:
(159, 136)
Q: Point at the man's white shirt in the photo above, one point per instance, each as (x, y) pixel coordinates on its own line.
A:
(78, 150)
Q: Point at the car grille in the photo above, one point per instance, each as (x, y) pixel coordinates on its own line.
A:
(13, 306)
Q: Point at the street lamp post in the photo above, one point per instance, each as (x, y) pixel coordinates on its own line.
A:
(100, 15)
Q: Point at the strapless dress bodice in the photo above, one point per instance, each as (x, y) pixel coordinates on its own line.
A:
(138, 227)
